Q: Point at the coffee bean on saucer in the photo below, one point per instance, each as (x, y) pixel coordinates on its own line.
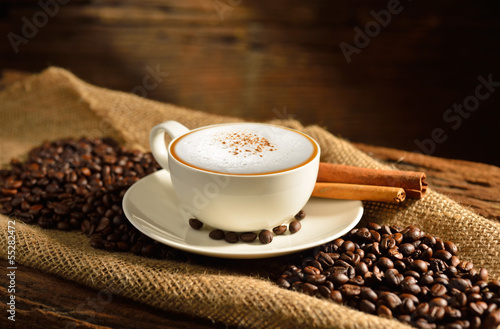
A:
(278, 230)
(300, 215)
(265, 236)
(231, 237)
(216, 234)
(195, 223)
(248, 236)
(294, 226)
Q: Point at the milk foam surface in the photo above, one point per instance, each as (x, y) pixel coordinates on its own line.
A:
(244, 149)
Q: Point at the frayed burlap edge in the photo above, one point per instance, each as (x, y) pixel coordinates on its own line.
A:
(174, 286)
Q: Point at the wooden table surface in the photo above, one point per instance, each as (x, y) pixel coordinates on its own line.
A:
(264, 60)
(45, 301)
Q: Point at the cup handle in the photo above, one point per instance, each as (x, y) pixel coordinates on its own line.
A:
(157, 140)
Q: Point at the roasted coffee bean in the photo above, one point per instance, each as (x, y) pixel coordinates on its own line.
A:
(216, 234)
(363, 234)
(348, 246)
(444, 255)
(63, 226)
(385, 263)
(407, 306)
(390, 299)
(460, 284)
(384, 312)
(367, 306)
(392, 278)
(350, 258)
(316, 279)
(338, 278)
(435, 313)
(325, 259)
(387, 243)
(357, 280)
(113, 237)
(492, 320)
(311, 261)
(375, 249)
(281, 229)
(311, 270)
(419, 266)
(350, 290)
(336, 296)
(438, 289)
(195, 223)
(438, 301)
(324, 291)
(361, 268)
(300, 215)
(398, 237)
(451, 271)
(375, 236)
(411, 288)
(248, 236)
(368, 294)
(306, 287)
(482, 275)
(465, 266)
(103, 224)
(412, 233)
(450, 247)
(294, 226)
(437, 265)
(265, 236)
(384, 229)
(426, 280)
(231, 237)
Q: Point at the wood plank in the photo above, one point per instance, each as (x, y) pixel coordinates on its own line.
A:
(472, 184)
(267, 55)
(45, 301)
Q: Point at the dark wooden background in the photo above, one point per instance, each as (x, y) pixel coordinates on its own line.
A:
(266, 59)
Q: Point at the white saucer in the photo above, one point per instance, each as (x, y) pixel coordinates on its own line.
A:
(151, 206)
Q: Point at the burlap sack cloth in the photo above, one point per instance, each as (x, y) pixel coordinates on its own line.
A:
(56, 104)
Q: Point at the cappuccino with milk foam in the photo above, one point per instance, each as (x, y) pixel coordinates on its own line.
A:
(244, 149)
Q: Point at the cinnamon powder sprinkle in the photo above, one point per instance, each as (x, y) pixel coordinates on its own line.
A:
(244, 142)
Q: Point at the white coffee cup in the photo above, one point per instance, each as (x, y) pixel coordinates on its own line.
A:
(242, 186)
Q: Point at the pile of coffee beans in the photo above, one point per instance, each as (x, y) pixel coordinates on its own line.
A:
(399, 273)
(79, 185)
(265, 236)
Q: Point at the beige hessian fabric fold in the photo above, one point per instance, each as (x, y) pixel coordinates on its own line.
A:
(56, 104)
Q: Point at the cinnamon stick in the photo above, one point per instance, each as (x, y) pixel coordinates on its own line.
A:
(414, 183)
(359, 192)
